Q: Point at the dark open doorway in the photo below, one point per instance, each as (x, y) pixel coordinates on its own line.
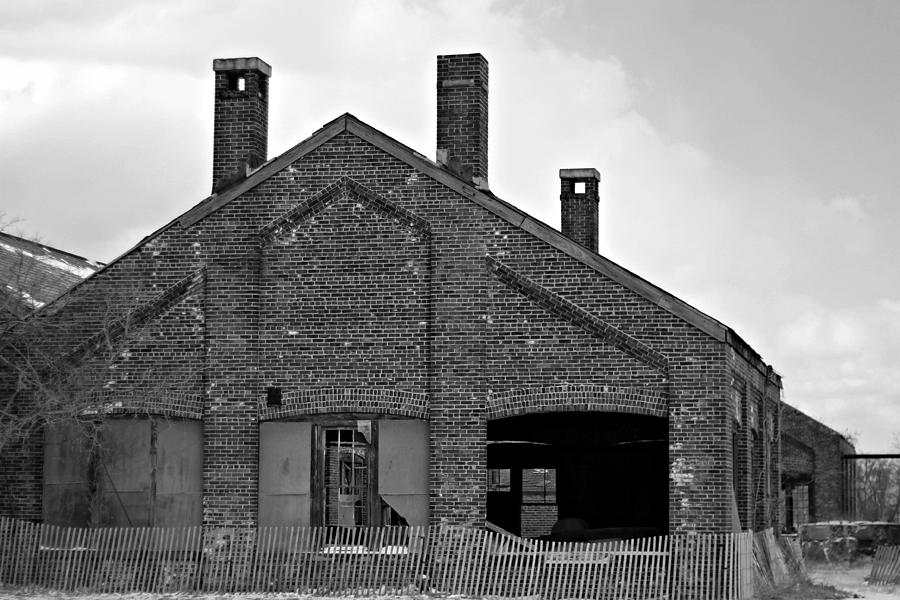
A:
(609, 470)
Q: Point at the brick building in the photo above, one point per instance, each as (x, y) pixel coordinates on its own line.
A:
(816, 481)
(350, 333)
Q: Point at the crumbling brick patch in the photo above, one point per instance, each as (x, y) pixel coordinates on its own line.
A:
(168, 404)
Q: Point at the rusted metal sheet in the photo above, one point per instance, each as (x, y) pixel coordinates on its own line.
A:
(131, 472)
(125, 473)
(178, 473)
(285, 457)
(67, 452)
(403, 467)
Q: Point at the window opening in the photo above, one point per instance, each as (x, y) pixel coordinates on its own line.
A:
(347, 478)
(539, 486)
(498, 480)
(237, 82)
(579, 187)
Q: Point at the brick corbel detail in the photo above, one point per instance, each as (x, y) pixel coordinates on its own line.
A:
(320, 401)
(340, 189)
(577, 398)
(566, 310)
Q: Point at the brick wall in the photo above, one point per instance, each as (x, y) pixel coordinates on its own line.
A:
(538, 519)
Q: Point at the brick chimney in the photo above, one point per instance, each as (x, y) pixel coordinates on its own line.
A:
(241, 129)
(462, 116)
(580, 197)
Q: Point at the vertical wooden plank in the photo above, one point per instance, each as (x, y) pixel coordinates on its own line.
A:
(486, 559)
(308, 564)
(101, 580)
(90, 563)
(316, 534)
(115, 567)
(290, 557)
(7, 540)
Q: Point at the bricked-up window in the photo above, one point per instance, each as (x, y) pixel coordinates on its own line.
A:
(347, 489)
(539, 486)
(736, 405)
(754, 417)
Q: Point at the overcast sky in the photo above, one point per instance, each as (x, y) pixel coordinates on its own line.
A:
(748, 151)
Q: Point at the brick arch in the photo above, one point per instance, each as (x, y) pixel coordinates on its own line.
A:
(332, 400)
(577, 398)
(170, 404)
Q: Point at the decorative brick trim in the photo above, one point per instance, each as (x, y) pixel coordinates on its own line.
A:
(320, 401)
(342, 188)
(577, 398)
(578, 317)
(139, 316)
(169, 404)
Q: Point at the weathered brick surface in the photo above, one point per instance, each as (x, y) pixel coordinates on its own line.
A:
(240, 130)
(356, 283)
(579, 211)
(462, 111)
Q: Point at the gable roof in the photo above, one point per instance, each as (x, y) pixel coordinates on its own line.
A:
(33, 274)
(485, 199)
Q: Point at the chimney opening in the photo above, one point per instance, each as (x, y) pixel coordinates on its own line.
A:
(236, 83)
(579, 187)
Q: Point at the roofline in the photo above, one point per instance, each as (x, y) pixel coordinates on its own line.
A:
(486, 200)
(504, 210)
(51, 248)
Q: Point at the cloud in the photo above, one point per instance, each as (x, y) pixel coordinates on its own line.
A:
(841, 365)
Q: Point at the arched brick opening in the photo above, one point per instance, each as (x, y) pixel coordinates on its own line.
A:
(592, 457)
(577, 398)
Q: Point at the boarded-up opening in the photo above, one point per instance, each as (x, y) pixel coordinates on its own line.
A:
(124, 472)
(285, 459)
(403, 469)
(344, 472)
(607, 470)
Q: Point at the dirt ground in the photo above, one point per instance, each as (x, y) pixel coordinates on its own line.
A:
(829, 582)
(852, 579)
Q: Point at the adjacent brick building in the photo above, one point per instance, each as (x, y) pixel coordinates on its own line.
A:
(352, 334)
(817, 482)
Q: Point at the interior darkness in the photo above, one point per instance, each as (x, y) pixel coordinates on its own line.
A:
(611, 469)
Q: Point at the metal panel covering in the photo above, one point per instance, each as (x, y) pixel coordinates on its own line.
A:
(125, 473)
(179, 474)
(67, 451)
(285, 458)
(403, 467)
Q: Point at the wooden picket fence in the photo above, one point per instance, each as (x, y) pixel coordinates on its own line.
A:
(373, 561)
(886, 566)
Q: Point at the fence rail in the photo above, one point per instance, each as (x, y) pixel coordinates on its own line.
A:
(886, 566)
(339, 561)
